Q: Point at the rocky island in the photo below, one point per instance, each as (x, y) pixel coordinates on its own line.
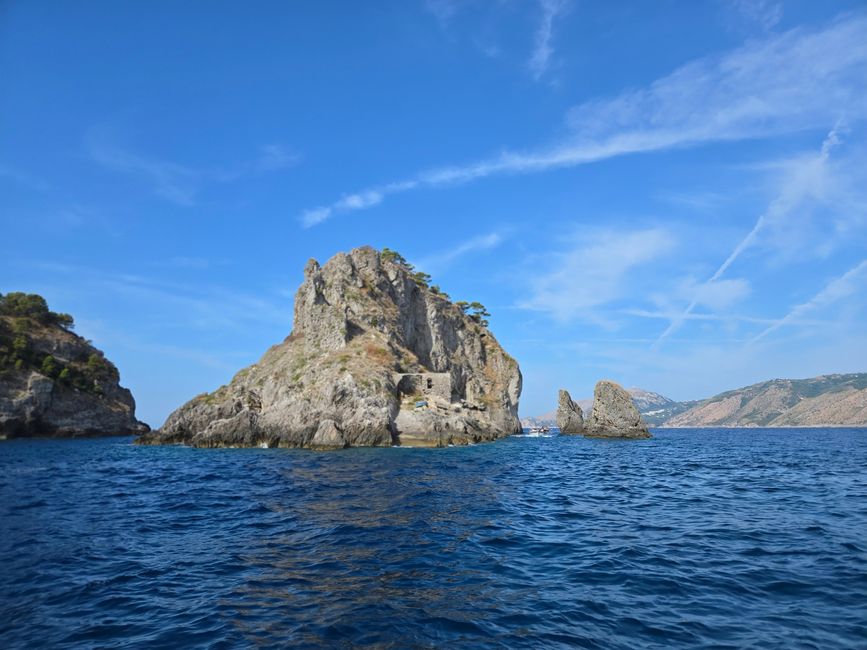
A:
(377, 357)
(52, 381)
(613, 415)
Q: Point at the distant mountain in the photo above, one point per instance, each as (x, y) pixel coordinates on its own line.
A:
(646, 400)
(832, 400)
(835, 400)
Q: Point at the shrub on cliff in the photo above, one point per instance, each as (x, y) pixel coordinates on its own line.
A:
(30, 305)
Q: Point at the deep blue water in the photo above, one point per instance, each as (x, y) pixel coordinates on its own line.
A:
(710, 538)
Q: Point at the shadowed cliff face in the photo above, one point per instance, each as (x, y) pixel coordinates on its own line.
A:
(363, 327)
(570, 416)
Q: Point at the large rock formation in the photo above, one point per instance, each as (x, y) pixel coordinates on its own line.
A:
(654, 408)
(614, 414)
(53, 382)
(570, 417)
(375, 358)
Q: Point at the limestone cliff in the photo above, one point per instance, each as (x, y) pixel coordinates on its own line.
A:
(53, 382)
(375, 358)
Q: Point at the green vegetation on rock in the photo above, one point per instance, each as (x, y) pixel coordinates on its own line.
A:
(475, 310)
(26, 318)
(33, 306)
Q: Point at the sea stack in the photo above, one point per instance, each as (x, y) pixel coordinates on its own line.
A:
(570, 417)
(614, 414)
(377, 357)
(52, 381)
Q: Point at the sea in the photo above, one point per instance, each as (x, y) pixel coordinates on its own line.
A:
(703, 538)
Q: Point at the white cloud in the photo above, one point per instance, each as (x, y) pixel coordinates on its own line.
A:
(762, 13)
(719, 295)
(670, 315)
(439, 262)
(805, 180)
(593, 272)
(785, 83)
(274, 157)
(315, 216)
(837, 289)
(443, 10)
(542, 49)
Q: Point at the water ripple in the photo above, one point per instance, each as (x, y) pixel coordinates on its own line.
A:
(723, 539)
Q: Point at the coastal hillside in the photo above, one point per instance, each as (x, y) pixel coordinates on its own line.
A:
(835, 400)
(378, 356)
(52, 381)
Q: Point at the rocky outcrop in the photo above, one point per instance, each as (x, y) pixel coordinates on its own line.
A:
(614, 414)
(570, 417)
(375, 358)
(53, 382)
(654, 408)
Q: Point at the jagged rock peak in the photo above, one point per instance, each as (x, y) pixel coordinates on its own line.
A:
(570, 417)
(52, 381)
(614, 414)
(376, 357)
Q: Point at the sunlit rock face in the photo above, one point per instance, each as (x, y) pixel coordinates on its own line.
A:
(614, 414)
(375, 358)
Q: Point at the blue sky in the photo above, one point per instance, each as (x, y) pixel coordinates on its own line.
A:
(670, 194)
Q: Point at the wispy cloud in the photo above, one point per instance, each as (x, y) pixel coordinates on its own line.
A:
(171, 181)
(592, 272)
(669, 315)
(357, 201)
(175, 182)
(443, 10)
(785, 83)
(804, 181)
(206, 306)
(765, 14)
(543, 49)
(439, 262)
(841, 287)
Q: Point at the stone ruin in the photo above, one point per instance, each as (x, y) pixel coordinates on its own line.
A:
(427, 384)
